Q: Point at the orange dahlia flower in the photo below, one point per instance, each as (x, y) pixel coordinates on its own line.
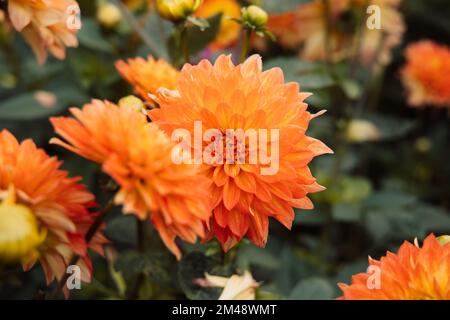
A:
(229, 30)
(147, 76)
(223, 97)
(44, 214)
(46, 25)
(285, 26)
(426, 74)
(413, 273)
(137, 155)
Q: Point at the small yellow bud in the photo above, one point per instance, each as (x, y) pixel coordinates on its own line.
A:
(132, 102)
(108, 15)
(423, 145)
(362, 131)
(177, 10)
(255, 16)
(19, 232)
(443, 240)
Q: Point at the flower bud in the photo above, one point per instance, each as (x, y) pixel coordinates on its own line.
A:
(132, 102)
(254, 16)
(19, 232)
(108, 15)
(443, 240)
(362, 131)
(177, 10)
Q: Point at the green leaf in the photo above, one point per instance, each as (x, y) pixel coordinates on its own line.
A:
(26, 107)
(90, 36)
(392, 127)
(277, 6)
(310, 75)
(193, 266)
(196, 38)
(313, 288)
(346, 212)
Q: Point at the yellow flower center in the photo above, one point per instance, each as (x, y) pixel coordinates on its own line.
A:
(19, 231)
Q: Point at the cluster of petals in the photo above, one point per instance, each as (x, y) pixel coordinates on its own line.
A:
(47, 25)
(414, 273)
(426, 75)
(224, 96)
(137, 155)
(60, 206)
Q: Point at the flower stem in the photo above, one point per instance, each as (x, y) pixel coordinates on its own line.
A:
(88, 237)
(246, 44)
(139, 30)
(184, 44)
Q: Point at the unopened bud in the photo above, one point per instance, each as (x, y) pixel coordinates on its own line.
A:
(108, 15)
(177, 10)
(255, 16)
(132, 102)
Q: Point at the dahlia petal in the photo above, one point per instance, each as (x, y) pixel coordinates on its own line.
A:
(238, 222)
(231, 194)
(246, 182)
(19, 14)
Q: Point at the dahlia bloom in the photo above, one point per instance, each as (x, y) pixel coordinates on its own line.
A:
(228, 97)
(147, 76)
(426, 74)
(285, 26)
(44, 214)
(413, 273)
(46, 25)
(229, 30)
(137, 155)
(311, 26)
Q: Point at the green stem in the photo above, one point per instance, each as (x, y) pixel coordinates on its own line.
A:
(146, 39)
(184, 46)
(246, 44)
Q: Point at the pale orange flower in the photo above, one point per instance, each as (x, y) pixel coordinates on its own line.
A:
(413, 273)
(55, 206)
(307, 26)
(229, 30)
(285, 26)
(224, 96)
(46, 25)
(137, 155)
(426, 74)
(147, 76)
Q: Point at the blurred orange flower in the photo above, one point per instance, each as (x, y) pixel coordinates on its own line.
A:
(426, 74)
(412, 274)
(47, 203)
(147, 76)
(46, 25)
(229, 30)
(307, 26)
(137, 155)
(224, 96)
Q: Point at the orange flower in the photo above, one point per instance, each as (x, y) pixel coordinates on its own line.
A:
(46, 25)
(147, 76)
(308, 26)
(56, 207)
(137, 155)
(426, 74)
(223, 97)
(285, 26)
(412, 274)
(229, 30)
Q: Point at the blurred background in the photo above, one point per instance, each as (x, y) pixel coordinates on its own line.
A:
(387, 182)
